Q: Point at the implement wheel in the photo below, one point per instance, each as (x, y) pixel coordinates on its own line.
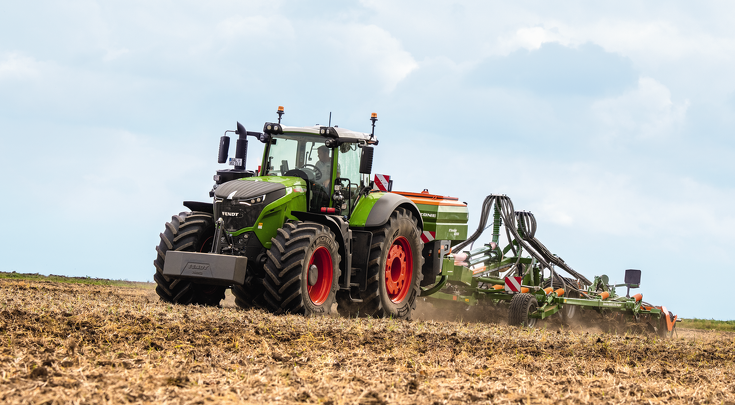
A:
(188, 232)
(521, 306)
(568, 311)
(394, 271)
(302, 270)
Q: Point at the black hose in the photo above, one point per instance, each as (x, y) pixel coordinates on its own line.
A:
(527, 241)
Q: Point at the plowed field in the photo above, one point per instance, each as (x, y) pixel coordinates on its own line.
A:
(67, 343)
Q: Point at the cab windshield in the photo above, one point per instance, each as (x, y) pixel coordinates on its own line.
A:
(301, 152)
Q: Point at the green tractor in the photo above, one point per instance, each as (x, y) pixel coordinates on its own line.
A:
(303, 232)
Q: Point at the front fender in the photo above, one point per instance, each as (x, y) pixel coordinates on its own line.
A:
(375, 209)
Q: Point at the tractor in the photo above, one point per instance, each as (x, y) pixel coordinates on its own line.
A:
(303, 232)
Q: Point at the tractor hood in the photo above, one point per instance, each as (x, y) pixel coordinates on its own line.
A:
(244, 190)
(240, 202)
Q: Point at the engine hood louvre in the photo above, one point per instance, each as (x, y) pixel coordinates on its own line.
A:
(245, 189)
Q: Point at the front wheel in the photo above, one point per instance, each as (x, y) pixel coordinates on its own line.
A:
(302, 270)
(188, 232)
(250, 293)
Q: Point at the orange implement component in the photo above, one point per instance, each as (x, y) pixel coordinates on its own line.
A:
(670, 321)
(479, 270)
(638, 297)
(525, 289)
(559, 292)
(604, 295)
(548, 290)
(499, 287)
(431, 199)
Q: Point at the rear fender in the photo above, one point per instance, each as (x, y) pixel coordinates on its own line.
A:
(375, 209)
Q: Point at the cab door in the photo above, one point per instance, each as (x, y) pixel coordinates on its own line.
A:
(348, 175)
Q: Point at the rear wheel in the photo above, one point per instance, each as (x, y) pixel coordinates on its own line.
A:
(521, 306)
(302, 270)
(188, 232)
(394, 269)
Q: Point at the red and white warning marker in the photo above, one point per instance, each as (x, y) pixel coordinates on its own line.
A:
(427, 236)
(382, 181)
(513, 284)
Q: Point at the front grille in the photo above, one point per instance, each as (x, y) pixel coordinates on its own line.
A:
(240, 202)
(236, 215)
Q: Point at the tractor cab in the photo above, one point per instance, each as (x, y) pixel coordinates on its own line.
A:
(334, 162)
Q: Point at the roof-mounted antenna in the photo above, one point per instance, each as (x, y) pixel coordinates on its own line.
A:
(280, 113)
(330, 119)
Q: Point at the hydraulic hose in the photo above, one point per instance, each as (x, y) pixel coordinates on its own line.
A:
(527, 241)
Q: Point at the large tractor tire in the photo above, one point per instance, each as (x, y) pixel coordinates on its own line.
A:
(521, 306)
(188, 232)
(250, 294)
(302, 270)
(394, 270)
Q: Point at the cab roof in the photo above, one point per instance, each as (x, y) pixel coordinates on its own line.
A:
(344, 134)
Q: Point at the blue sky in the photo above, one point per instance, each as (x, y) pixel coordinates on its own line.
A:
(612, 123)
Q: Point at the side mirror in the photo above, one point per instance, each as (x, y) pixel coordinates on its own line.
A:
(366, 160)
(224, 147)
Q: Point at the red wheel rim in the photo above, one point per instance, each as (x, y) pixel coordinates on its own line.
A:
(399, 270)
(322, 259)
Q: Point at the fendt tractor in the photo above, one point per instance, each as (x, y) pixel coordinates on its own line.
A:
(311, 227)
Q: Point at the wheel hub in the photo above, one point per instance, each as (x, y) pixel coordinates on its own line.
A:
(313, 274)
(398, 270)
(319, 275)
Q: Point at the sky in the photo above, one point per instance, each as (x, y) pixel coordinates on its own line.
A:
(612, 122)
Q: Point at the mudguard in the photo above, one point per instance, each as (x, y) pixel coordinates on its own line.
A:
(375, 209)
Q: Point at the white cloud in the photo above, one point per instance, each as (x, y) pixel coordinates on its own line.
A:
(646, 112)
(131, 173)
(532, 38)
(15, 66)
(626, 200)
(261, 26)
(369, 49)
(648, 41)
(112, 54)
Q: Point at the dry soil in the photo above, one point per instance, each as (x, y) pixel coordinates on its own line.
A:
(67, 343)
